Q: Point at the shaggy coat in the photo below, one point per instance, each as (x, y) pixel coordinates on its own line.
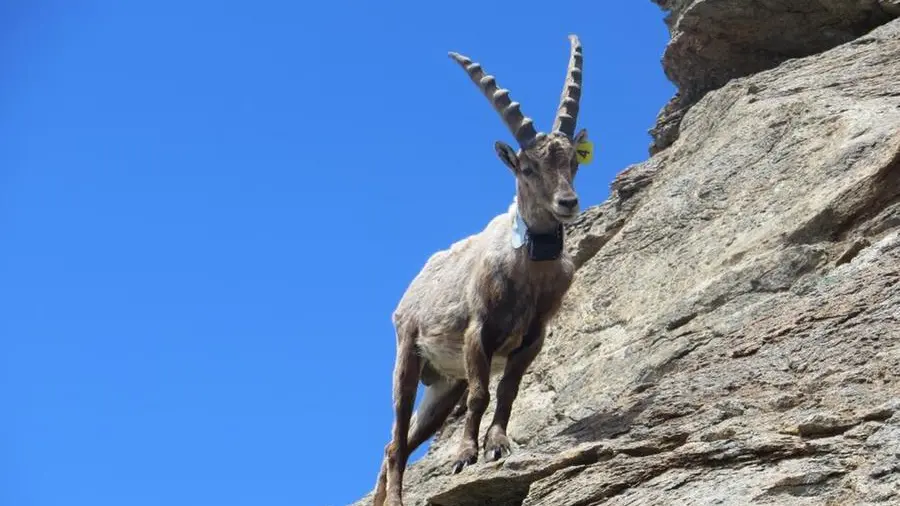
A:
(481, 307)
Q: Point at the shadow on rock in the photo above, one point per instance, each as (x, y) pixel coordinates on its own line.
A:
(608, 424)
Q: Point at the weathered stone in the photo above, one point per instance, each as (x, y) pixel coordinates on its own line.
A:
(891, 7)
(719, 344)
(714, 41)
(823, 425)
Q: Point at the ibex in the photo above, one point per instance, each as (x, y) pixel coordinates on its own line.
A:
(482, 306)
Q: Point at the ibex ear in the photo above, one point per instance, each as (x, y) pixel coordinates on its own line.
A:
(581, 136)
(507, 155)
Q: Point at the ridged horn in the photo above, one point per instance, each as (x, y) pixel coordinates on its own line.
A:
(521, 126)
(567, 113)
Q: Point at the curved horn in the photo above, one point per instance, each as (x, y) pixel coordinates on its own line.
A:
(567, 113)
(521, 126)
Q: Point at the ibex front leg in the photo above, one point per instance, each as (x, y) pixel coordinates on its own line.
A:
(496, 444)
(478, 365)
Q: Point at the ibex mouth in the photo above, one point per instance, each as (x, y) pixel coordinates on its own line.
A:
(565, 216)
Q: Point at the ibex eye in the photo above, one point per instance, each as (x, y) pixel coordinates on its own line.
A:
(526, 170)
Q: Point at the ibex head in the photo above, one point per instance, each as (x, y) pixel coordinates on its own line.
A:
(545, 164)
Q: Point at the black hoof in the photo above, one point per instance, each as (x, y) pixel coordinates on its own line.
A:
(496, 446)
(460, 464)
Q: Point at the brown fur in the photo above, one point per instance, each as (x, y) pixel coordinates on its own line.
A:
(482, 306)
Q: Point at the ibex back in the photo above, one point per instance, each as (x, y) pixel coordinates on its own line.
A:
(482, 307)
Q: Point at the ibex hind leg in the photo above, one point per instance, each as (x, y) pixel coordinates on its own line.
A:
(389, 487)
(438, 402)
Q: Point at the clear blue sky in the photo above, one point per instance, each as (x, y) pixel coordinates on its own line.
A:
(208, 211)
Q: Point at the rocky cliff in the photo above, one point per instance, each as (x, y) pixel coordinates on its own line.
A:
(733, 334)
(714, 41)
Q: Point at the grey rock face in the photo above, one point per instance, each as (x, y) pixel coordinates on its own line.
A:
(733, 333)
(714, 41)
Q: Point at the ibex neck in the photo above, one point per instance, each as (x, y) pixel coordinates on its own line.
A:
(541, 244)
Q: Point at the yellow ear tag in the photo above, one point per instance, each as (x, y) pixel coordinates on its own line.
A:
(584, 152)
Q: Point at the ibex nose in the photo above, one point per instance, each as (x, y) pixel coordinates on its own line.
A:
(568, 202)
